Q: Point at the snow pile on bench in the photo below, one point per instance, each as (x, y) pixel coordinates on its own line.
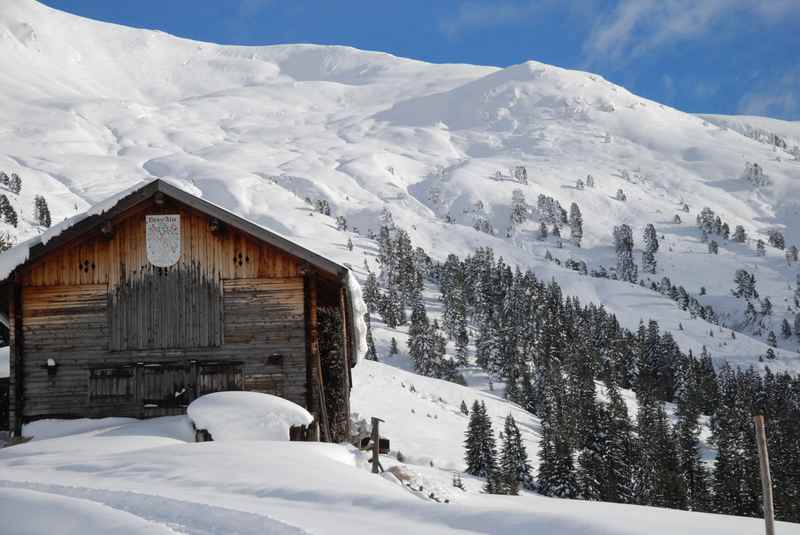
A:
(246, 416)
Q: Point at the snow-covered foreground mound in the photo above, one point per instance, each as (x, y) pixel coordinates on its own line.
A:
(246, 416)
(130, 477)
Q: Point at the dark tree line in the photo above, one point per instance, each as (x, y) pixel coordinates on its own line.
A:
(550, 350)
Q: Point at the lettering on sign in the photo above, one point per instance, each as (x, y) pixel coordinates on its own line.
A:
(163, 239)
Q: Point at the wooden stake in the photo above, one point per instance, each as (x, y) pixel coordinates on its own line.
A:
(376, 446)
(766, 480)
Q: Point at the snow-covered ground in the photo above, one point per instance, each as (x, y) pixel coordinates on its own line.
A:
(144, 477)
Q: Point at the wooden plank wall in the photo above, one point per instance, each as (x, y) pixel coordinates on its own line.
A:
(268, 314)
(164, 309)
(78, 305)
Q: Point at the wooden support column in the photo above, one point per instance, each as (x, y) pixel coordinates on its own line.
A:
(315, 360)
(347, 356)
(16, 344)
(376, 446)
(766, 479)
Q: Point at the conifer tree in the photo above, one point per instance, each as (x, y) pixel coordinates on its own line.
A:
(650, 249)
(41, 212)
(7, 212)
(371, 353)
(419, 344)
(772, 340)
(556, 476)
(372, 296)
(623, 242)
(542, 231)
(576, 224)
(393, 351)
(391, 311)
(6, 241)
(739, 234)
(514, 465)
(735, 482)
(619, 459)
(15, 184)
(687, 433)
(481, 450)
(657, 480)
(519, 208)
(786, 329)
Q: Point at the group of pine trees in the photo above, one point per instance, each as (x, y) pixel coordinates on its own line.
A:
(550, 351)
(505, 472)
(13, 184)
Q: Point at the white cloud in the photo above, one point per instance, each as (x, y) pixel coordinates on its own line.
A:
(774, 98)
(636, 27)
(476, 15)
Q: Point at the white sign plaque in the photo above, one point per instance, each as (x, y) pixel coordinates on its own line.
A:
(163, 239)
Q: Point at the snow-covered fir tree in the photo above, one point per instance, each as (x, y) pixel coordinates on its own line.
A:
(371, 353)
(514, 466)
(650, 248)
(480, 446)
(739, 234)
(623, 243)
(7, 212)
(575, 224)
(41, 212)
(15, 184)
(519, 208)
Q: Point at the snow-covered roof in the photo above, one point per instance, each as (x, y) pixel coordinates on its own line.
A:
(21, 253)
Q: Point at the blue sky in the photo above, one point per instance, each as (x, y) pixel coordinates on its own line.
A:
(713, 56)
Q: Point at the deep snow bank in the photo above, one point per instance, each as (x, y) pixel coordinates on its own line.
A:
(246, 416)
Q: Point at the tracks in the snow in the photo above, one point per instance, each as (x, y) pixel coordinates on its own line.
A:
(182, 516)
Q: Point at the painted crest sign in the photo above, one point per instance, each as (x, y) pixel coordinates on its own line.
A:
(163, 236)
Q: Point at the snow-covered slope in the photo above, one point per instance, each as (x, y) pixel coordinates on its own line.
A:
(88, 109)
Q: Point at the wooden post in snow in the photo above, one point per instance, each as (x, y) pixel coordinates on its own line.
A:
(376, 446)
(766, 480)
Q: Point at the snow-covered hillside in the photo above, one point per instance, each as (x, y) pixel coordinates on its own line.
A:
(88, 109)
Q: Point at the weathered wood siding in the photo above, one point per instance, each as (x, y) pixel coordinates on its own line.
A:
(95, 259)
(166, 308)
(264, 320)
(126, 334)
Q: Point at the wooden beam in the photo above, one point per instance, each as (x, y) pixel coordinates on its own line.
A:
(766, 479)
(347, 349)
(16, 348)
(316, 360)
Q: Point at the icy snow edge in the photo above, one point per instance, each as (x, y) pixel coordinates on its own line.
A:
(359, 310)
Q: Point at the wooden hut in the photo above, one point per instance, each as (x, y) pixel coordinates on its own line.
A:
(158, 297)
